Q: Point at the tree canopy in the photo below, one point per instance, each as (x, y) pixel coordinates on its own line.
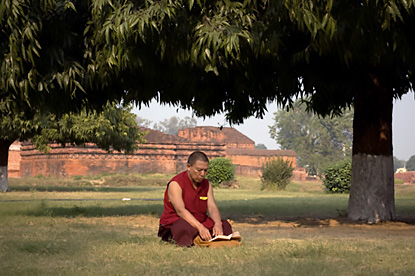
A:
(114, 128)
(260, 146)
(174, 124)
(317, 141)
(410, 164)
(222, 56)
(48, 89)
(397, 163)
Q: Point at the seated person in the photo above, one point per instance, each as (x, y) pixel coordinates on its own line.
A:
(187, 199)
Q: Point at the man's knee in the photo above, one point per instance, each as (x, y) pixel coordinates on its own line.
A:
(183, 233)
(227, 228)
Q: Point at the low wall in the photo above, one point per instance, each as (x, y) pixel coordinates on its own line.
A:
(168, 156)
(13, 167)
(407, 177)
(90, 160)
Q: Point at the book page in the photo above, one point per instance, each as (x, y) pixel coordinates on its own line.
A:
(234, 235)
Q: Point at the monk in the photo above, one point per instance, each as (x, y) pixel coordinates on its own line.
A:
(187, 199)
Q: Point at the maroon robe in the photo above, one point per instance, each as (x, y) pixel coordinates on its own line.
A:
(195, 201)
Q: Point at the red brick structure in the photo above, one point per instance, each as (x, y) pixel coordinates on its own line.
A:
(407, 177)
(162, 153)
(13, 168)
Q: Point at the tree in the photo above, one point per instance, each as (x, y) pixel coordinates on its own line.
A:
(260, 146)
(238, 56)
(46, 72)
(317, 141)
(112, 129)
(235, 57)
(142, 122)
(174, 124)
(398, 163)
(410, 164)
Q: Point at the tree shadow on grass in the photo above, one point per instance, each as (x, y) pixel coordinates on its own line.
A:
(299, 212)
(95, 211)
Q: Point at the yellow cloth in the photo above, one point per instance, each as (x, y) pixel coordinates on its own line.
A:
(218, 243)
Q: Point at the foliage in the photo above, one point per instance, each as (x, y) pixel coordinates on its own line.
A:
(169, 126)
(276, 174)
(410, 164)
(337, 177)
(398, 163)
(174, 124)
(260, 146)
(220, 170)
(114, 128)
(142, 122)
(317, 141)
(213, 56)
(233, 54)
(398, 181)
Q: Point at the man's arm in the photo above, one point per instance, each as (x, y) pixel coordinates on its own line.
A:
(175, 196)
(214, 213)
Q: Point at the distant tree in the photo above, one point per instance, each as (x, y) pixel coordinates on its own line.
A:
(172, 125)
(260, 146)
(398, 163)
(317, 141)
(410, 164)
(142, 122)
(112, 129)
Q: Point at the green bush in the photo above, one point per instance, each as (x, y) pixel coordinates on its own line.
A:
(337, 177)
(276, 174)
(220, 170)
(399, 181)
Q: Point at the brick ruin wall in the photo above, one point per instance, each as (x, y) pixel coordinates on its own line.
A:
(250, 165)
(162, 153)
(407, 177)
(90, 160)
(13, 168)
(168, 158)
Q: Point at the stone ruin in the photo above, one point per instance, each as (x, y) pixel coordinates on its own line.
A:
(161, 153)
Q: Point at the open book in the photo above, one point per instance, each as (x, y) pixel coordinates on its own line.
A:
(233, 236)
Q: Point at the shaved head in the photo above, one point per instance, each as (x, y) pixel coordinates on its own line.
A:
(197, 156)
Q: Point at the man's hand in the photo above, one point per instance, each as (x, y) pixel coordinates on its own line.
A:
(204, 233)
(217, 229)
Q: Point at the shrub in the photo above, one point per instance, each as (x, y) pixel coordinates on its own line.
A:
(220, 170)
(337, 177)
(399, 181)
(276, 174)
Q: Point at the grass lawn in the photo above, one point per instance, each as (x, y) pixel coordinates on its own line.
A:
(299, 231)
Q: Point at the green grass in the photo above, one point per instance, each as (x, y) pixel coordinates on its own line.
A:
(299, 231)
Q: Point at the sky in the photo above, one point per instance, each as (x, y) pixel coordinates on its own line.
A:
(403, 124)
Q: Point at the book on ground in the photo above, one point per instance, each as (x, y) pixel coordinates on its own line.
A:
(233, 236)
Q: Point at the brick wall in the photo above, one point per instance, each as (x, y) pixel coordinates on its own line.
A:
(162, 153)
(407, 177)
(13, 168)
(90, 160)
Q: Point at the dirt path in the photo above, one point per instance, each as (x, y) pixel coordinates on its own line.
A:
(330, 227)
(258, 227)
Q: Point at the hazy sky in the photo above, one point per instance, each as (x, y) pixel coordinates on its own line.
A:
(257, 129)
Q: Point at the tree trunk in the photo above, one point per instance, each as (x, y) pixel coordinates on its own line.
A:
(372, 197)
(4, 159)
